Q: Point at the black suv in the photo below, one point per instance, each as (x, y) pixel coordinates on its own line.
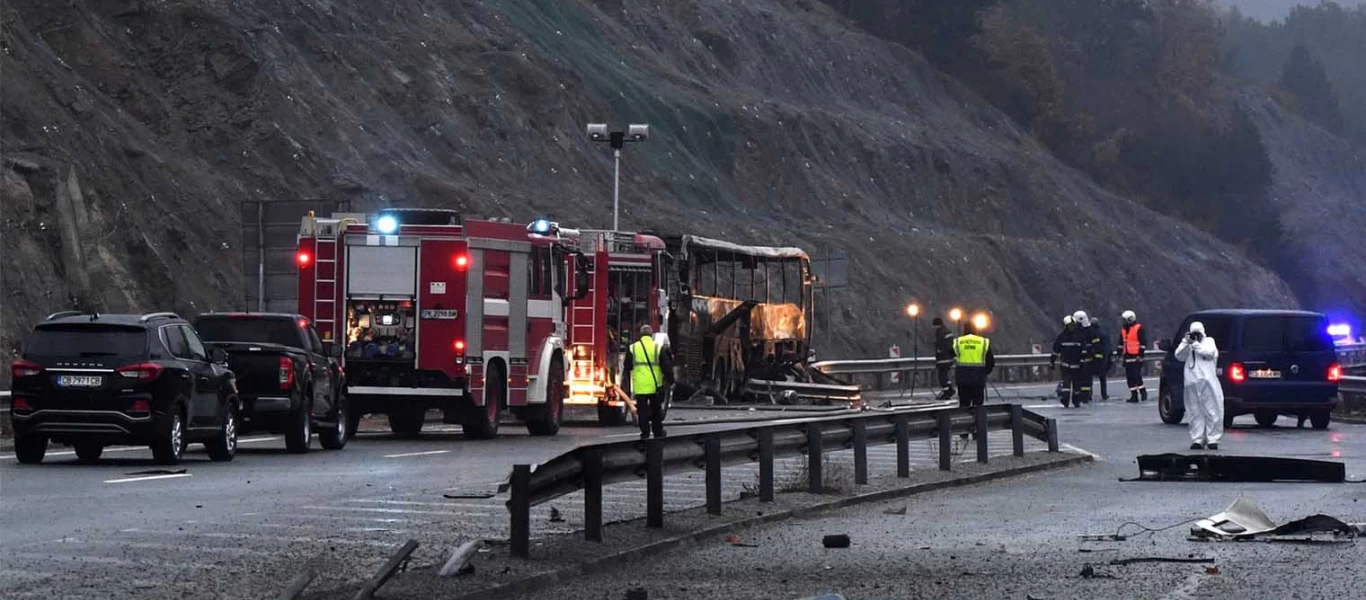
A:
(91, 380)
(1271, 363)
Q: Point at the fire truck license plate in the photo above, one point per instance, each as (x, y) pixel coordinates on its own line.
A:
(434, 313)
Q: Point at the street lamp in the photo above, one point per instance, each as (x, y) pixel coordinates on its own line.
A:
(913, 310)
(598, 132)
(980, 321)
(956, 315)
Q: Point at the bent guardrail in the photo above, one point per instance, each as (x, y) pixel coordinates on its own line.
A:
(591, 467)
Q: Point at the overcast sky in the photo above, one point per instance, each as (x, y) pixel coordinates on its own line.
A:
(1270, 10)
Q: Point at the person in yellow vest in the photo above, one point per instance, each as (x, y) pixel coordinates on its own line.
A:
(648, 375)
(975, 359)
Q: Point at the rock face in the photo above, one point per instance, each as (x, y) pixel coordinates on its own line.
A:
(132, 130)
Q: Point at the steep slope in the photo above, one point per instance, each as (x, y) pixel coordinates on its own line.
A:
(1319, 188)
(775, 122)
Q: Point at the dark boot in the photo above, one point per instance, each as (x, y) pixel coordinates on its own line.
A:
(1143, 394)
(1133, 397)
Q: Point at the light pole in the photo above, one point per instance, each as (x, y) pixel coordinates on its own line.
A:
(956, 315)
(598, 132)
(913, 310)
(980, 322)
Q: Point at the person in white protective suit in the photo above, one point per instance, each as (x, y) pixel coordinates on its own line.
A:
(1204, 398)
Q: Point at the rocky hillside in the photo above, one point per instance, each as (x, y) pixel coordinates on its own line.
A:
(133, 128)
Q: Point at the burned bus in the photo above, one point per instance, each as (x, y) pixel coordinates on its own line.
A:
(736, 314)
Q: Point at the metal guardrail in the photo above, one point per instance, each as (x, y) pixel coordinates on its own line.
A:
(1352, 385)
(926, 363)
(589, 468)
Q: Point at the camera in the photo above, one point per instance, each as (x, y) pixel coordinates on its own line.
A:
(1195, 336)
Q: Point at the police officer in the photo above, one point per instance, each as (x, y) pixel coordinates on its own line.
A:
(649, 372)
(975, 360)
(943, 357)
(1068, 348)
(1133, 338)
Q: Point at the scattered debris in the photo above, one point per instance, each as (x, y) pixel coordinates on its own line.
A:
(160, 472)
(296, 586)
(734, 540)
(1089, 572)
(840, 540)
(469, 495)
(1211, 570)
(895, 511)
(1259, 469)
(1159, 559)
(825, 597)
(637, 594)
(400, 558)
(1243, 520)
(555, 516)
(459, 563)
(1102, 537)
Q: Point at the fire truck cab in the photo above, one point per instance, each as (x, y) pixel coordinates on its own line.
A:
(439, 312)
(622, 289)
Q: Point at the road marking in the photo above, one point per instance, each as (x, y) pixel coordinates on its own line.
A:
(251, 536)
(428, 453)
(385, 521)
(136, 448)
(402, 511)
(148, 478)
(416, 503)
(1187, 588)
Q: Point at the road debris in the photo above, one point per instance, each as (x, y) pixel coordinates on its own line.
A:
(637, 594)
(459, 563)
(555, 516)
(1089, 572)
(895, 511)
(160, 472)
(839, 540)
(1160, 559)
(399, 559)
(1244, 520)
(469, 495)
(734, 540)
(1255, 469)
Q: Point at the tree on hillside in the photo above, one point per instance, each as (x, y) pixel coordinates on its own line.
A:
(1034, 94)
(1189, 34)
(1305, 77)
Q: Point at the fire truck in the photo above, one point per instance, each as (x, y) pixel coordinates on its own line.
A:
(439, 312)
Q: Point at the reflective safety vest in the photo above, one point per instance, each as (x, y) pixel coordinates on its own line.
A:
(646, 375)
(971, 350)
(1132, 347)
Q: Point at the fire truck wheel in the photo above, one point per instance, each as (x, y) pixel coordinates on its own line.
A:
(544, 419)
(481, 422)
(407, 423)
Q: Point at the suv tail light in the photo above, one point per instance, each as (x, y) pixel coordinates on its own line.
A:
(21, 405)
(23, 368)
(1237, 373)
(1335, 373)
(141, 406)
(286, 372)
(141, 371)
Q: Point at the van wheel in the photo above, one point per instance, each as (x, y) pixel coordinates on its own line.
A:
(1320, 420)
(30, 449)
(223, 447)
(1266, 419)
(545, 419)
(481, 422)
(171, 447)
(1170, 414)
(299, 435)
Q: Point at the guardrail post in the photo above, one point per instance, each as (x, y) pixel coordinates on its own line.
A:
(766, 465)
(520, 506)
(1052, 435)
(945, 441)
(1017, 429)
(712, 448)
(903, 447)
(592, 496)
(813, 458)
(981, 433)
(654, 483)
(860, 452)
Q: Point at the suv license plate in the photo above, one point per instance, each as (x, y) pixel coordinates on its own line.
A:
(1264, 374)
(80, 381)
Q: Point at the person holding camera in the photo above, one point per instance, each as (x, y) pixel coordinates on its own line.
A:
(1204, 398)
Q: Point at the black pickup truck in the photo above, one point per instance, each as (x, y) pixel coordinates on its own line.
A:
(287, 379)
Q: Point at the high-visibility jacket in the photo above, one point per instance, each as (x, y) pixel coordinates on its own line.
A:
(646, 374)
(1134, 339)
(971, 350)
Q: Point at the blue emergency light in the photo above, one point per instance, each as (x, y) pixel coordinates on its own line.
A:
(386, 224)
(541, 226)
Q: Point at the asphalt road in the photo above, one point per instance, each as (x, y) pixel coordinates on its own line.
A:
(1019, 538)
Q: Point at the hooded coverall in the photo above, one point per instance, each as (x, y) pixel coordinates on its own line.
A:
(1204, 398)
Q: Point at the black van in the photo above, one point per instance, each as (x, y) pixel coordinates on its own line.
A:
(1271, 363)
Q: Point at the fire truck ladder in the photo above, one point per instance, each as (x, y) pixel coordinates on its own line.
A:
(325, 309)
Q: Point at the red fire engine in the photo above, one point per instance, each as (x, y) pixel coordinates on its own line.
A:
(439, 312)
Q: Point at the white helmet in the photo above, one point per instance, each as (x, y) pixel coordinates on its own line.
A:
(1067, 320)
(1128, 316)
(1081, 318)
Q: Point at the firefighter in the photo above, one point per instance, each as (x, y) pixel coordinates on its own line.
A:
(1067, 347)
(1101, 360)
(1091, 354)
(1204, 397)
(975, 360)
(1133, 338)
(648, 371)
(943, 357)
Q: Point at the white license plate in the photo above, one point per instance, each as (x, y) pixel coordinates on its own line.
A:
(1264, 374)
(80, 380)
